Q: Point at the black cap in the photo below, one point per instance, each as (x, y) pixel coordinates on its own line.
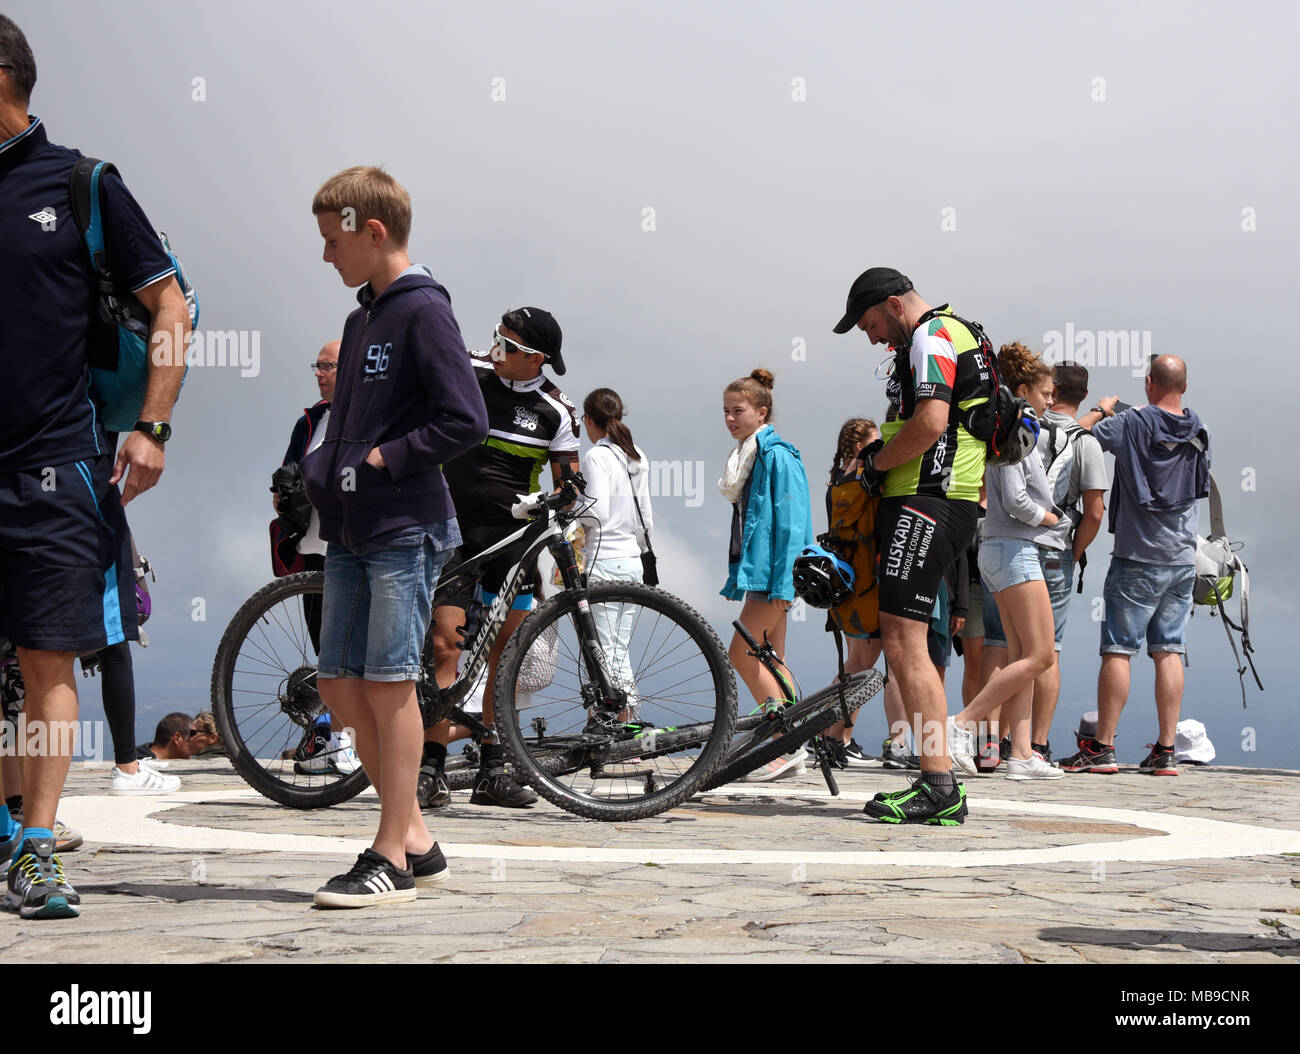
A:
(538, 330)
(871, 287)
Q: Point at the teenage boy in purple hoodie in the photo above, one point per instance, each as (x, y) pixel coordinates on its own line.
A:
(405, 401)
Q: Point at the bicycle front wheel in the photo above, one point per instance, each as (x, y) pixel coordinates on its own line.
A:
(265, 701)
(756, 745)
(681, 703)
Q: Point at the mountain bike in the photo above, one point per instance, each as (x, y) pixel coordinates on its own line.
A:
(638, 710)
(771, 731)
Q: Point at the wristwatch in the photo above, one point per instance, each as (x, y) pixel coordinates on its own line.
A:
(159, 430)
(1094, 410)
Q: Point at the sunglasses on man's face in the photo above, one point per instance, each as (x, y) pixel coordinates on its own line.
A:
(503, 345)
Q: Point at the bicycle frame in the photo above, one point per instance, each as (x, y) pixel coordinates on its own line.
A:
(546, 531)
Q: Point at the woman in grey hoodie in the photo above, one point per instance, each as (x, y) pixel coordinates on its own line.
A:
(1020, 511)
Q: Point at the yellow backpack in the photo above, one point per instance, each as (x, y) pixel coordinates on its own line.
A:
(851, 514)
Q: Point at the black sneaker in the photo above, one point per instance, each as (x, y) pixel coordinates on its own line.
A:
(1092, 757)
(373, 880)
(431, 790)
(498, 788)
(1043, 750)
(1004, 748)
(430, 869)
(36, 887)
(856, 759)
(921, 803)
(1160, 762)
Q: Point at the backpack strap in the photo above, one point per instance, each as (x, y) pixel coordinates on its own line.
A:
(1216, 510)
(87, 207)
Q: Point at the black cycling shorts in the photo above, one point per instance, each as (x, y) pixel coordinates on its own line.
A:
(490, 574)
(917, 539)
(66, 576)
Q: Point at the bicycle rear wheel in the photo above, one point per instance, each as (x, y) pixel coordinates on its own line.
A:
(804, 720)
(674, 731)
(265, 701)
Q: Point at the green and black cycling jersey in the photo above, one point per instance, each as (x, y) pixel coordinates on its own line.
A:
(530, 423)
(943, 361)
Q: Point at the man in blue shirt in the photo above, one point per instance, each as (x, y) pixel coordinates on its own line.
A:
(65, 564)
(1162, 469)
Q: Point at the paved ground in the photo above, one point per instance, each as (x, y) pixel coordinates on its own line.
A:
(1129, 868)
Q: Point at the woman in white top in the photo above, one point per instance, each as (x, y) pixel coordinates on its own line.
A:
(618, 480)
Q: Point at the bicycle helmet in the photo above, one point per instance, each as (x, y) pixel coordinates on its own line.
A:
(1022, 437)
(821, 578)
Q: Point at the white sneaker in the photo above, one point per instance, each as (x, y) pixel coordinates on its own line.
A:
(155, 763)
(1033, 769)
(961, 748)
(145, 781)
(795, 764)
(346, 760)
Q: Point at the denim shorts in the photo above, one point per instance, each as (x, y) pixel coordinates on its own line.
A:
(378, 597)
(1058, 573)
(1007, 562)
(1150, 601)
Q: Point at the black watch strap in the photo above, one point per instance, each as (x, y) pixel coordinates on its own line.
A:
(160, 431)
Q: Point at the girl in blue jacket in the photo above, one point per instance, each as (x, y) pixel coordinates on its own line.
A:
(771, 522)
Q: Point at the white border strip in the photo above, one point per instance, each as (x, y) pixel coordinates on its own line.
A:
(131, 821)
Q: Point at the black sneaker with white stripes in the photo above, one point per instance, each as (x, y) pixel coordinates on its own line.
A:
(373, 880)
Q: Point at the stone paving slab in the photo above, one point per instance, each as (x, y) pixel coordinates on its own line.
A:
(780, 873)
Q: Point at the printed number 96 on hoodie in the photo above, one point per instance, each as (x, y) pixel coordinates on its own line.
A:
(377, 358)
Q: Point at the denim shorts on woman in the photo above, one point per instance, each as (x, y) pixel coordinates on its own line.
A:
(378, 597)
(1150, 601)
(1007, 562)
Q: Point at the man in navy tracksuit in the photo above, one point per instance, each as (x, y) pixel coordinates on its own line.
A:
(405, 401)
(65, 564)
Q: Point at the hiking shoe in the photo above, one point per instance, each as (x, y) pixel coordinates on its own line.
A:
(66, 838)
(328, 753)
(894, 755)
(855, 759)
(146, 780)
(429, 869)
(1033, 769)
(498, 788)
(794, 764)
(961, 748)
(1092, 757)
(36, 887)
(1160, 762)
(373, 880)
(431, 790)
(920, 803)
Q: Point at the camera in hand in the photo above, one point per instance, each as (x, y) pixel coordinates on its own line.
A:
(291, 496)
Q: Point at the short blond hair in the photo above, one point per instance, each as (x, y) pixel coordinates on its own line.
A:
(372, 194)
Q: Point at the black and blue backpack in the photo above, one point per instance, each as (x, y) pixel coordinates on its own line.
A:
(119, 338)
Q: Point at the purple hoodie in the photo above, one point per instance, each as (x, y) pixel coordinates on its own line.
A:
(405, 384)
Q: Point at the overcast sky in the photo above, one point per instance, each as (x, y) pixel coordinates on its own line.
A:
(1055, 171)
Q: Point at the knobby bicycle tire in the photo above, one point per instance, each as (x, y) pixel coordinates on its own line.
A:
(264, 697)
(808, 717)
(680, 686)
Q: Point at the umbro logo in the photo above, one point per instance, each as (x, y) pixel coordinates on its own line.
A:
(45, 218)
